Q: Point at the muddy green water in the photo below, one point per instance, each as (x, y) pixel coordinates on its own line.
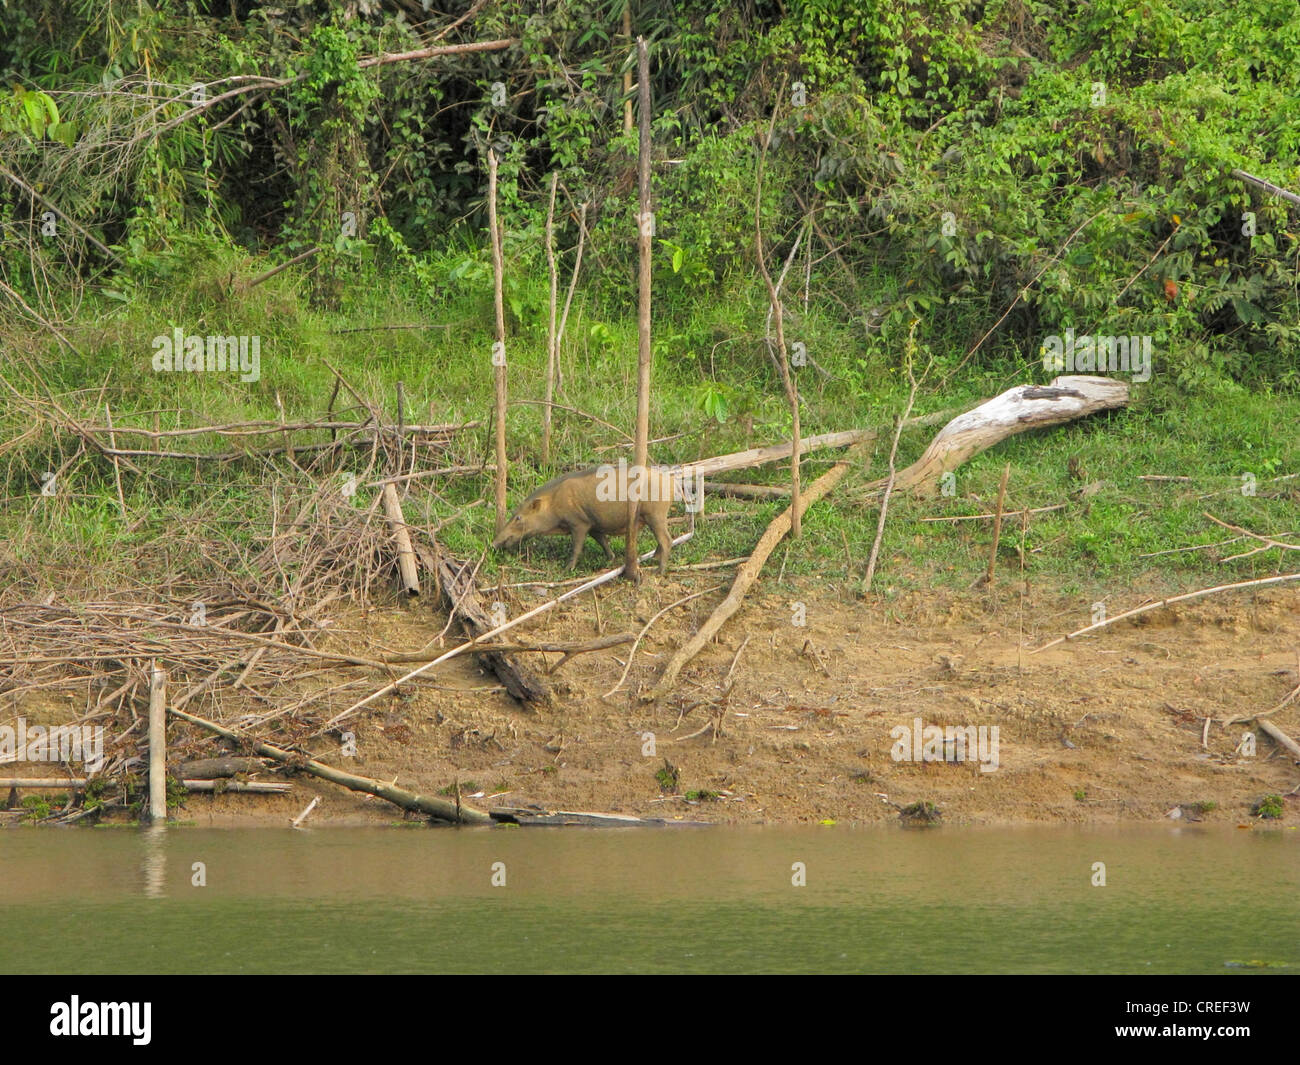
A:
(1176, 900)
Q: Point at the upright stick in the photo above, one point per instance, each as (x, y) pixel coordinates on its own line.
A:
(552, 340)
(499, 348)
(997, 524)
(640, 478)
(787, 378)
(157, 744)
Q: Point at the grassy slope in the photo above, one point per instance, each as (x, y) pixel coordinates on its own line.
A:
(1087, 548)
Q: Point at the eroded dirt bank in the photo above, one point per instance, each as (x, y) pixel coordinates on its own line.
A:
(1102, 729)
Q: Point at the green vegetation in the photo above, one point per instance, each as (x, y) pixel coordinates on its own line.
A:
(921, 813)
(702, 795)
(1269, 808)
(941, 166)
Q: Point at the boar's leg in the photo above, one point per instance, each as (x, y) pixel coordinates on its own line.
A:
(658, 522)
(602, 539)
(579, 538)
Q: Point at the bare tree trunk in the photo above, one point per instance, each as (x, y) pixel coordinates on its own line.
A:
(552, 354)
(499, 348)
(640, 474)
(787, 379)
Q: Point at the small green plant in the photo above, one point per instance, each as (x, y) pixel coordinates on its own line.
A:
(921, 813)
(1205, 807)
(94, 795)
(667, 777)
(1269, 808)
(37, 807)
(702, 795)
(466, 787)
(1080, 794)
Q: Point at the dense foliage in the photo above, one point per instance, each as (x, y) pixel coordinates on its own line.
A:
(1071, 160)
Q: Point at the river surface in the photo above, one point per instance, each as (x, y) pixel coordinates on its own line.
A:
(1186, 899)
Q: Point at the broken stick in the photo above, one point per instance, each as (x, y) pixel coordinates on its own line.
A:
(405, 553)
(749, 571)
(407, 800)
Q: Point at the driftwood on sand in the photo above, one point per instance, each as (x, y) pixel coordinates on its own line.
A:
(430, 806)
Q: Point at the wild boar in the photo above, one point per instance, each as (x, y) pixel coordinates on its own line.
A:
(592, 502)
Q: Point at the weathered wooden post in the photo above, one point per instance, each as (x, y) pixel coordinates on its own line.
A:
(157, 744)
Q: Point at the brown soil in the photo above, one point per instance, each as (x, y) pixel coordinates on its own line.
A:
(1103, 729)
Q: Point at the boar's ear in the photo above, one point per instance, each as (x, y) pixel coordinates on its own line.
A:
(533, 505)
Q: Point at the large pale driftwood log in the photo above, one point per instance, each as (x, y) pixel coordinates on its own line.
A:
(405, 555)
(748, 572)
(1015, 411)
(407, 800)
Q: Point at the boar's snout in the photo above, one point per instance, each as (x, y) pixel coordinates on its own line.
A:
(510, 535)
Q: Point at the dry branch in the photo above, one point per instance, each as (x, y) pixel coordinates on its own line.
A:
(1168, 602)
(1281, 738)
(456, 583)
(407, 800)
(499, 350)
(749, 571)
(645, 222)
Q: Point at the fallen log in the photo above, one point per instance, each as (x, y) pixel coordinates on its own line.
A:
(524, 817)
(455, 812)
(749, 570)
(456, 585)
(251, 787)
(79, 784)
(1015, 411)
(760, 456)
(215, 768)
(1279, 737)
(746, 491)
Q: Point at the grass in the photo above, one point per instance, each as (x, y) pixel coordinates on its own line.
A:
(706, 349)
